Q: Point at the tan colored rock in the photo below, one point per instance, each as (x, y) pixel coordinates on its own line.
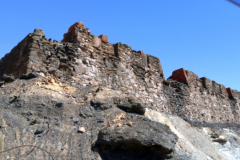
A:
(129, 123)
(96, 42)
(119, 125)
(81, 130)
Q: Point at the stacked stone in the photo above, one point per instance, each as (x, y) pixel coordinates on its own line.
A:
(202, 99)
(82, 60)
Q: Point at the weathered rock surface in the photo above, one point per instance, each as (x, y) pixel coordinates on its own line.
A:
(195, 141)
(47, 114)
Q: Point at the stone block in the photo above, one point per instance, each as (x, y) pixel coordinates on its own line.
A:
(207, 83)
(103, 37)
(58, 74)
(180, 75)
(142, 53)
(79, 69)
(118, 50)
(43, 69)
(229, 92)
(222, 90)
(80, 24)
(96, 42)
(145, 61)
(215, 87)
(38, 32)
(236, 94)
(77, 36)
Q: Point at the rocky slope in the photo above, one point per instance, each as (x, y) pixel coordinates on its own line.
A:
(84, 98)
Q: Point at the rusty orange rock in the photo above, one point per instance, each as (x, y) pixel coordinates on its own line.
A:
(180, 75)
(81, 24)
(103, 37)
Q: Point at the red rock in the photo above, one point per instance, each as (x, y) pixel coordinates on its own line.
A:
(74, 25)
(142, 53)
(65, 37)
(180, 75)
(229, 92)
(103, 37)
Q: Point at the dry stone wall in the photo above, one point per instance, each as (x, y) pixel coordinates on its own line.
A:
(83, 60)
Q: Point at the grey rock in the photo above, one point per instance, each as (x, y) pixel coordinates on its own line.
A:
(40, 129)
(59, 104)
(132, 105)
(8, 78)
(30, 75)
(39, 32)
(101, 119)
(76, 119)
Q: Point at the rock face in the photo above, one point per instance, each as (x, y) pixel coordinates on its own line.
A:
(47, 114)
(85, 98)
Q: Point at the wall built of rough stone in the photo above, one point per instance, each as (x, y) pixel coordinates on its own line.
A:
(83, 60)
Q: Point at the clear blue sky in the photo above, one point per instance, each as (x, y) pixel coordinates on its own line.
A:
(202, 36)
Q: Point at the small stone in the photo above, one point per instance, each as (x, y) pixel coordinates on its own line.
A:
(214, 135)
(101, 120)
(42, 74)
(58, 74)
(221, 139)
(74, 96)
(40, 129)
(39, 135)
(59, 104)
(60, 92)
(81, 130)
(76, 119)
(119, 125)
(129, 123)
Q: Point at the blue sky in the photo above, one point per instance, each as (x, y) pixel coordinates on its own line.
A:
(202, 36)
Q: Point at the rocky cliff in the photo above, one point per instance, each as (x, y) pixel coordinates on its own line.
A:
(85, 98)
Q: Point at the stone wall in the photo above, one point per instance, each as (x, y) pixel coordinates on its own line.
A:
(82, 60)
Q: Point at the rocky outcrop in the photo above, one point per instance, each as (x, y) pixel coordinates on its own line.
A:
(58, 118)
(198, 141)
(85, 98)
